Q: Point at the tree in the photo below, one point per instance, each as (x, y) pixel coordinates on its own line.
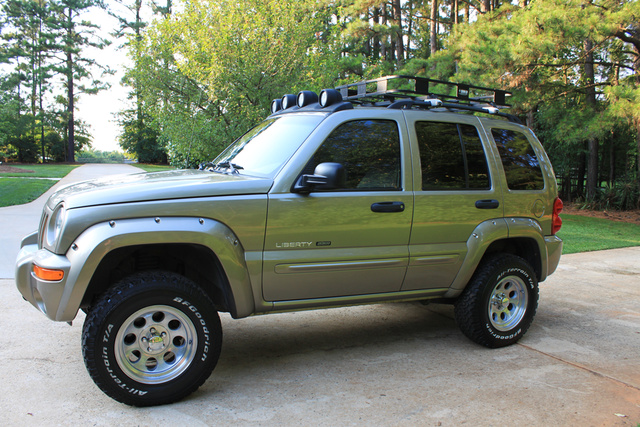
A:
(30, 39)
(234, 58)
(77, 34)
(549, 60)
(137, 136)
(44, 38)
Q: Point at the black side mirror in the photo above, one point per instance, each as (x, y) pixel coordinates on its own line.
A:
(326, 176)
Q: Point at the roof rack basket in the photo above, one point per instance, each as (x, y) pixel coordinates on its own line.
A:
(421, 87)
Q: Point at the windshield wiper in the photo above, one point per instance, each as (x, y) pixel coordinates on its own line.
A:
(232, 167)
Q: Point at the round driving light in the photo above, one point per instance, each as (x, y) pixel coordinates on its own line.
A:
(329, 97)
(306, 97)
(288, 101)
(276, 105)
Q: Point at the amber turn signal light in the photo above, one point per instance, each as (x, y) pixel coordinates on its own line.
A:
(48, 274)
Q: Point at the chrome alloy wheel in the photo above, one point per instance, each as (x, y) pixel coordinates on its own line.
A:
(156, 344)
(508, 303)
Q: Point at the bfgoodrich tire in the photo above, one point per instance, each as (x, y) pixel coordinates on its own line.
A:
(499, 303)
(152, 339)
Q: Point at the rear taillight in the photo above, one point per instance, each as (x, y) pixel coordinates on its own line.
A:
(556, 221)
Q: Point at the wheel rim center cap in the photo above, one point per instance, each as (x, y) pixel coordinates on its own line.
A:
(500, 301)
(154, 340)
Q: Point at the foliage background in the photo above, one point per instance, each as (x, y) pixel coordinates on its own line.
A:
(204, 71)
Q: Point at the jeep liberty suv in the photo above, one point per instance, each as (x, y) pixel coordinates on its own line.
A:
(363, 194)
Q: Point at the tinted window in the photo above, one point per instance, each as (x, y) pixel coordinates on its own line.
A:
(368, 149)
(452, 157)
(520, 162)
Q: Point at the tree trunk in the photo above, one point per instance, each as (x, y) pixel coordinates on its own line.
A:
(456, 12)
(383, 21)
(582, 162)
(71, 142)
(592, 143)
(433, 27)
(70, 107)
(612, 162)
(397, 15)
(376, 36)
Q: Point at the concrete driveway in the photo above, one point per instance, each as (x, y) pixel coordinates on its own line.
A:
(395, 364)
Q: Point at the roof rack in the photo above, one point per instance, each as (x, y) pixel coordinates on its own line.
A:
(413, 92)
(420, 92)
(370, 91)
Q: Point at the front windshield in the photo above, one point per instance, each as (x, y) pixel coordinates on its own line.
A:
(264, 149)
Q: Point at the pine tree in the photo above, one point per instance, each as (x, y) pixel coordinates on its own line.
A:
(76, 35)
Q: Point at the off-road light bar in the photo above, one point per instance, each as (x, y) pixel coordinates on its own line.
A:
(329, 97)
(276, 105)
(306, 97)
(288, 101)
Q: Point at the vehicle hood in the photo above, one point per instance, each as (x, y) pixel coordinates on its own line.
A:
(178, 184)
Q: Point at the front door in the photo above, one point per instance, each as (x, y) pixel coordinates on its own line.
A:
(349, 241)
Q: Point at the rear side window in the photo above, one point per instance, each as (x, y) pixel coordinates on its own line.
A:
(521, 165)
(452, 157)
(370, 152)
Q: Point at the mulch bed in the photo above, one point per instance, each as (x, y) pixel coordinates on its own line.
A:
(13, 169)
(632, 216)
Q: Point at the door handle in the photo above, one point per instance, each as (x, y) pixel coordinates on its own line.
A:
(387, 207)
(487, 204)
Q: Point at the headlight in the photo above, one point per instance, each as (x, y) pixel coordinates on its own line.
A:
(56, 222)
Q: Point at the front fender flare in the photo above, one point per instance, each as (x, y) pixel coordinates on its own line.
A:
(87, 251)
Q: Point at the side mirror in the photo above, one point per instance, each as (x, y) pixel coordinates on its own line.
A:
(326, 176)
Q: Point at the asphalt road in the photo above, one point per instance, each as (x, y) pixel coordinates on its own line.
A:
(394, 364)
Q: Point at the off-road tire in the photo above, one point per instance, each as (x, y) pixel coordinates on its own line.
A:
(499, 303)
(152, 339)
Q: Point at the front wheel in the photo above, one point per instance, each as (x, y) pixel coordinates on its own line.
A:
(499, 303)
(152, 339)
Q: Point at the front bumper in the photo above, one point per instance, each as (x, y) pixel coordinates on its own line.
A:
(46, 296)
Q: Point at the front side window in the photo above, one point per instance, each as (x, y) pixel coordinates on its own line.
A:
(521, 165)
(452, 157)
(369, 150)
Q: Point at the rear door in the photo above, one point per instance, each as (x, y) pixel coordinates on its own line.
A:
(454, 193)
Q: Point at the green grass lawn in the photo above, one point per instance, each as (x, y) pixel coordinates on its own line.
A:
(153, 168)
(17, 188)
(41, 171)
(583, 234)
(17, 191)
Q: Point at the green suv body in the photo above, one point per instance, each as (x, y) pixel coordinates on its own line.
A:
(320, 205)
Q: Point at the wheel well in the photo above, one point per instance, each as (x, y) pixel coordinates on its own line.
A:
(523, 247)
(195, 262)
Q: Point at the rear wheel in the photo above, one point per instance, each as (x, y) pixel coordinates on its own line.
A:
(499, 303)
(152, 339)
